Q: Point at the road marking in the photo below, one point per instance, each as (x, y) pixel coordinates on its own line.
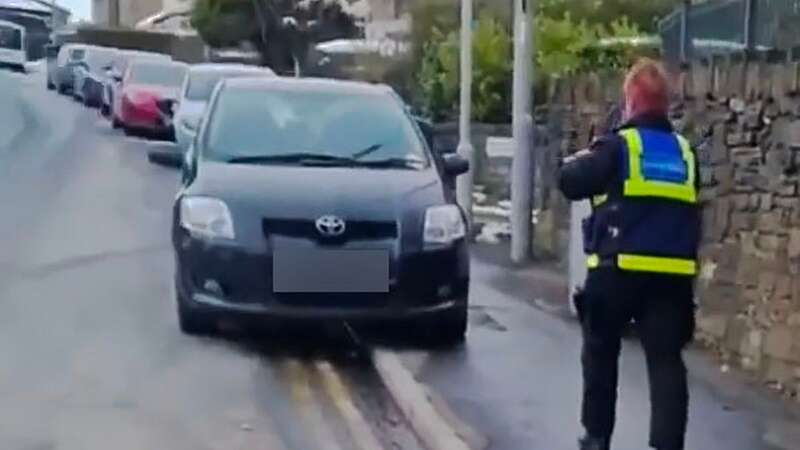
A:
(310, 411)
(359, 429)
(414, 401)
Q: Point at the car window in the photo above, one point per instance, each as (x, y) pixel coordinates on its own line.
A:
(202, 83)
(10, 38)
(77, 54)
(100, 58)
(253, 122)
(159, 74)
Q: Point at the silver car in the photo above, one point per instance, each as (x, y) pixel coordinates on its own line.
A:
(196, 91)
(69, 57)
(89, 75)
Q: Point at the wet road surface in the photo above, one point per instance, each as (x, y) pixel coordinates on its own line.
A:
(90, 353)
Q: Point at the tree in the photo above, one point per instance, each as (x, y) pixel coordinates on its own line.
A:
(281, 30)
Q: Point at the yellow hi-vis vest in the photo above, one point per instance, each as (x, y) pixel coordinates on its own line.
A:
(654, 227)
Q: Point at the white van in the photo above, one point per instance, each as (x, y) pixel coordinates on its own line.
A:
(13, 48)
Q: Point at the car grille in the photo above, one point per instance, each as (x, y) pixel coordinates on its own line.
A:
(355, 230)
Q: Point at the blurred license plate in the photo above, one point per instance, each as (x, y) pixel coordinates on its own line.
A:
(335, 271)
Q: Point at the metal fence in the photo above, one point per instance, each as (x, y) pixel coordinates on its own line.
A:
(723, 26)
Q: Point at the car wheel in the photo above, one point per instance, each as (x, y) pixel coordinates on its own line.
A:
(193, 322)
(115, 123)
(448, 329)
(127, 130)
(61, 89)
(50, 85)
(104, 110)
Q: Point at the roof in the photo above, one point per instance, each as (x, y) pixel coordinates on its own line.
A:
(8, 23)
(309, 84)
(157, 62)
(26, 5)
(215, 67)
(52, 5)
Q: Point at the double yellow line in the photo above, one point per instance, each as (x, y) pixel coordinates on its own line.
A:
(300, 377)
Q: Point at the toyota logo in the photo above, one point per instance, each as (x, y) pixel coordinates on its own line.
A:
(330, 226)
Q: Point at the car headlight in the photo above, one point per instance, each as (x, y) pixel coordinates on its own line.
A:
(444, 225)
(206, 217)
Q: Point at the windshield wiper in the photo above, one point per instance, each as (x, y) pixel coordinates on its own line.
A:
(406, 163)
(367, 151)
(300, 158)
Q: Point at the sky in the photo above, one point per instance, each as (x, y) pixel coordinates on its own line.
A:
(81, 9)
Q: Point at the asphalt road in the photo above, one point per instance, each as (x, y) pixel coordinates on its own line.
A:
(90, 354)
(91, 357)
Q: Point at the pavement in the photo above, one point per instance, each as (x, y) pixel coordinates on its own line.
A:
(91, 357)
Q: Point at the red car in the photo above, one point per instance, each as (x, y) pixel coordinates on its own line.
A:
(143, 85)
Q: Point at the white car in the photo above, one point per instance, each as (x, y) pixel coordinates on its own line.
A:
(196, 91)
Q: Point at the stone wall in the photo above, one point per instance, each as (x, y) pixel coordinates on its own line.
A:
(744, 117)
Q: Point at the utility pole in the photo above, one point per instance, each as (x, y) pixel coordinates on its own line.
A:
(686, 41)
(522, 167)
(750, 14)
(465, 149)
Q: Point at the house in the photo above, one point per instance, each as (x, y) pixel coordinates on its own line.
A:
(124, 13)
(38, 17)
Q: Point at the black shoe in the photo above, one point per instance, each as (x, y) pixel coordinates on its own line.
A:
(593, 443)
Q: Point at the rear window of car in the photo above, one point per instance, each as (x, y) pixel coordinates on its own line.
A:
(201, 83)
(77, 54)
(254, 122)
(97, 59)
(159, 74)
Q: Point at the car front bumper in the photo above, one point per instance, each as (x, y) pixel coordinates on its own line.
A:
(424, 283)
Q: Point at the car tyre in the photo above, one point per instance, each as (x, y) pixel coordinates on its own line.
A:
(191, 321)
(448, 329)
(50, 86)
(115, 123)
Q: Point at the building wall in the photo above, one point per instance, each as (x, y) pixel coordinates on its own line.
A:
(133, 11)
(130, 11)
(101, 12)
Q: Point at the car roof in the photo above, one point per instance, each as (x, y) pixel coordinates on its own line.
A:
(211, 67)
(312, 84)
(157, 62)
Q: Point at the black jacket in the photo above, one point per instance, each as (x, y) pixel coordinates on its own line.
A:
(592, 174)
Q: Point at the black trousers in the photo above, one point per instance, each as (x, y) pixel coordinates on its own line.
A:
(662, 307)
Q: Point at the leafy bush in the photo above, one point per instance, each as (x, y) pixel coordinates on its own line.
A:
(438, 76)
(564, 46)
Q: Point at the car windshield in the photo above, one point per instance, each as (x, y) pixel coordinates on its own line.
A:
(10, 38)
(249, 124)
(202, 82)
(159, 74)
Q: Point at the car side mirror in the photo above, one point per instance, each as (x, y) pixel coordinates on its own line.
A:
(166, 106)
(166, 158)
(455, 165)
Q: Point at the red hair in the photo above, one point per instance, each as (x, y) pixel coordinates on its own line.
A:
(646, 88)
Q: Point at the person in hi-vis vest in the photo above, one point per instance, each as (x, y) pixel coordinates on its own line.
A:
(641, 245)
